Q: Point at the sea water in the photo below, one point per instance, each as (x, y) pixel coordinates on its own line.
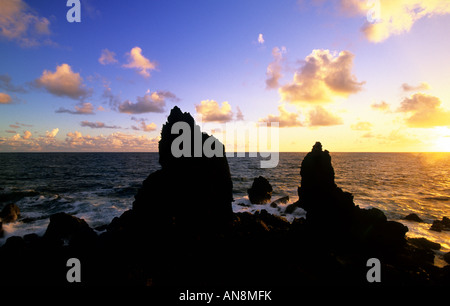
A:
(100, 186)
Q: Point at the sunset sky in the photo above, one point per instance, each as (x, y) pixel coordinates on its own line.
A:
(357, 75)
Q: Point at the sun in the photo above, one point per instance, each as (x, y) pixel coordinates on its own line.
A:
(442, 144)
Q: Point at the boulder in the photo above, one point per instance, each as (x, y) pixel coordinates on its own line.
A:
(67, 228)
(413, 217)
(441, 225)
(424, 243)
(261, 191)
(9, 213)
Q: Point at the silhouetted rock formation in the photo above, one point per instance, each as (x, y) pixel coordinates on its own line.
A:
(331, 211)
(260, 192)
(194, 193)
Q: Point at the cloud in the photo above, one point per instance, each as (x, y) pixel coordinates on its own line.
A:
(137, 61)
(81, 109)
(322, 77)
(98, 125)
(284, 119)
(382, 106)
(5, 98)
(11, 131)
(273, 72)
(210, 111)
(422, 86)
(260, 39)
(385, 18)
(424, 111)
(6, 84)
(115, 142)
(107, 57)
(52, 133)
(14, 126)
(145, 127)
(19, 23)
(27, 135)
(63, 83)
(151, 102)
(321, 117)
(239, 115)
(361, 126)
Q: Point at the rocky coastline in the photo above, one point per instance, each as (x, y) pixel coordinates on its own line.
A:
(181, 231)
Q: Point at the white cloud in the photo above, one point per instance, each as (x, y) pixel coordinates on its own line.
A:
(137, 61)
(81, 109)
(18, 22)
(284, 119)
(385, 18)
(52, 133)
(361, 126)
(422, 86)
(151, 102)
(321, 117)
(260, 39)
(273, 72)
(27, 135)
(211, 111)
(63, 83)
(424, 111)
(322, 77)
(107, 57)
(98, 125)
(382, 106)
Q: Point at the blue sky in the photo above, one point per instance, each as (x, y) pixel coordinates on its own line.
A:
(209, 51)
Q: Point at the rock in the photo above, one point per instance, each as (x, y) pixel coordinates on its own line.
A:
(1, 230)
(64, 227)
(279, 201)
(319, 196)
(290, 208)
(330, 211)
(10, 213)
(441, 225)
(447, 257)
(261, 191)
(424, 243)
(191, 193)
(413, 217)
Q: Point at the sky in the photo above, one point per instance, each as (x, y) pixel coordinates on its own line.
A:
(356, 75)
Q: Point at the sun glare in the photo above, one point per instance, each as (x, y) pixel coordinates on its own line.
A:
(442, 144)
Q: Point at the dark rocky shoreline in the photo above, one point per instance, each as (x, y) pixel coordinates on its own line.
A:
(171, 238)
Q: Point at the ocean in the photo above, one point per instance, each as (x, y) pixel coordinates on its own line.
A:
(100, 186)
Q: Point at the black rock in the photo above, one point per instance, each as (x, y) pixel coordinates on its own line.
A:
(261, 191)
(447, 257)
(441, 225)
(64, 227)
(190, 193)
(424, 243)
(9, 213)
(413, 217)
